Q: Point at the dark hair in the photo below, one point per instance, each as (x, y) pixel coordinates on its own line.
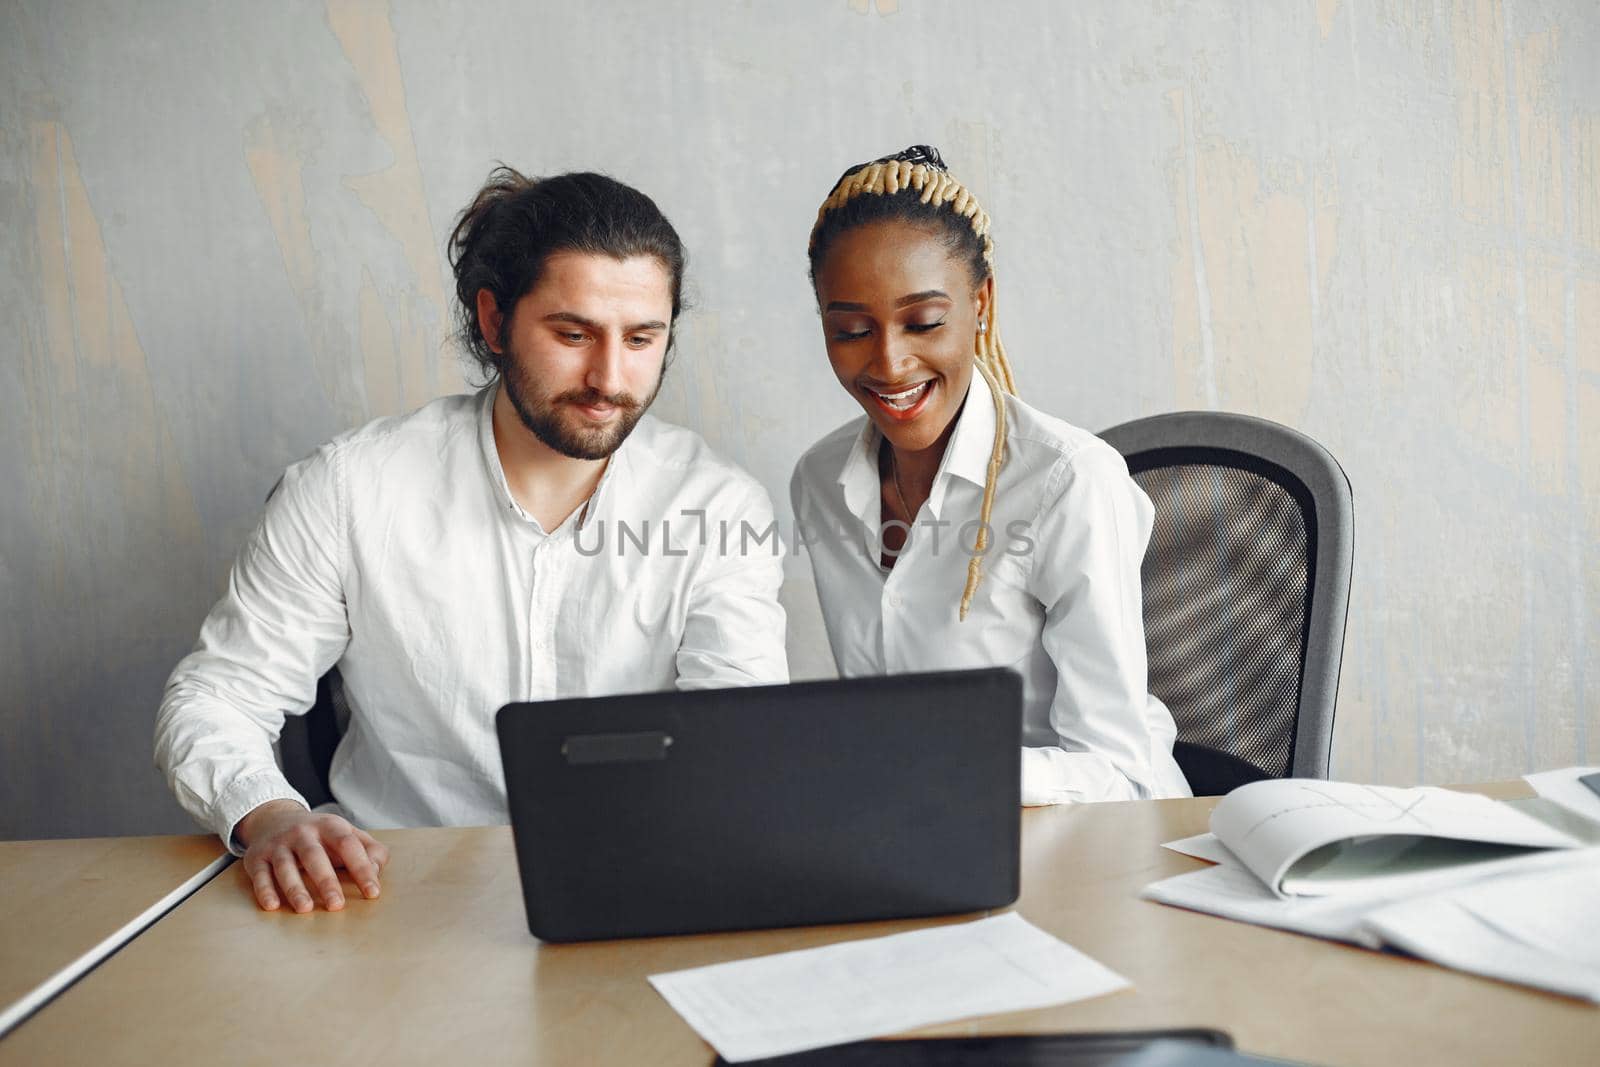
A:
(905, 205)
(515, 223)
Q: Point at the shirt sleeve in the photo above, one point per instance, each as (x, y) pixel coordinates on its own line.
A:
(734, 630)
(278, 628)
(1090, 538)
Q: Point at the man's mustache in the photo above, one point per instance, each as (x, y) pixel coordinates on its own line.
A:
(625, 401)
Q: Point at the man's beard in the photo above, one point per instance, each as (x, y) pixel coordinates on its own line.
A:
(567, 432)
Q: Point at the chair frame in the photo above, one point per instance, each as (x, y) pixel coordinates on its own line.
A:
(1317, 481)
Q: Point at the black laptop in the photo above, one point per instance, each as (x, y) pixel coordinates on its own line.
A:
(729, 809)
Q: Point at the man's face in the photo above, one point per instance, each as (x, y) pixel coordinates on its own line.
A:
(583, 350)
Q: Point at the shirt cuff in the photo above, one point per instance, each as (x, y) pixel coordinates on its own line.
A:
(1055, 776)
(246, 795)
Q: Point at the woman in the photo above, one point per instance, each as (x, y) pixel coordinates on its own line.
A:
(955, 526)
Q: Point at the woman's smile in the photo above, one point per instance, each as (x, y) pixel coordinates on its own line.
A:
(903, 404)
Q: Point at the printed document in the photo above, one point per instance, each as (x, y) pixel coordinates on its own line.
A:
(815, 997)
(1504, 890)
(1307, 837)
(1234, 893)
(1204, 847)
(1538, 927)
(1564, 788)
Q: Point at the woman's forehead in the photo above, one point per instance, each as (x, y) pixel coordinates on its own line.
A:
(889, 253)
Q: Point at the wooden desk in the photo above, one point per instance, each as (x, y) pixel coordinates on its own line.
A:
(442, 969)
(63, 900)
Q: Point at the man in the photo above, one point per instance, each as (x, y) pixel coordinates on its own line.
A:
(541, 539)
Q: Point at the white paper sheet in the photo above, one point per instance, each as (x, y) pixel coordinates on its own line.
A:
(1540, 927)
(793, 1001)
(1564, 788)
(1204, 847)
(1232, 892)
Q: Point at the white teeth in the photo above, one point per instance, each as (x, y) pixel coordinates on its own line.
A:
(906, 399)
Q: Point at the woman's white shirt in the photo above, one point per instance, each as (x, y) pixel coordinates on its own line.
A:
(1060, 601)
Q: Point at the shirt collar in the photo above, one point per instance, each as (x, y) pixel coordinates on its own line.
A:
(966, 456)
(616, 470)
(859, 478)
(497, 473)
(491, 454)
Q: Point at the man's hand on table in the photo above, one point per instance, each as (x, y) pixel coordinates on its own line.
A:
(281, 837)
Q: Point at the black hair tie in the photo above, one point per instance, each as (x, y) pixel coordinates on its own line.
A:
(925, 154)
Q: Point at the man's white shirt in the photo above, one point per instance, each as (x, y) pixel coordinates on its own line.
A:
(398, 552)
(1060, 601)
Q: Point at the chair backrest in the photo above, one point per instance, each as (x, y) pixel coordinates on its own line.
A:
(307, 742)
(1246, 588)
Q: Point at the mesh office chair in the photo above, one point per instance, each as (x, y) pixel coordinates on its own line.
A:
(1246, 586)
(306, 744)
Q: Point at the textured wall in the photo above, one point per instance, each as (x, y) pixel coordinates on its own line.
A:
(1378, 221)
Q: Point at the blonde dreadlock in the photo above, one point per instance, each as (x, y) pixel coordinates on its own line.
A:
(919, 170)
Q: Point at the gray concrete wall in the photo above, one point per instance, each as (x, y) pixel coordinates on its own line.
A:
(1378, 221)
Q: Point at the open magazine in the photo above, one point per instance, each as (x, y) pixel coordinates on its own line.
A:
(1305, 837)
(1456, 878)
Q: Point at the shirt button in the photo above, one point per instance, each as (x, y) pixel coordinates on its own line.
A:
(894, 600)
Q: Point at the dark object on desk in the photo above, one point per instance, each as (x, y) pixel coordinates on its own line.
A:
(1246, 588)
(1592, 781)
(783, 805)
(1008, 1050)
(1167, 1053)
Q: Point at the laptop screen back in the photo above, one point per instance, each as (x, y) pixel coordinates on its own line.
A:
(821, 802)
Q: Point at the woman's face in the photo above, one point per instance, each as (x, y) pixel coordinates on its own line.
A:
(899, 313)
